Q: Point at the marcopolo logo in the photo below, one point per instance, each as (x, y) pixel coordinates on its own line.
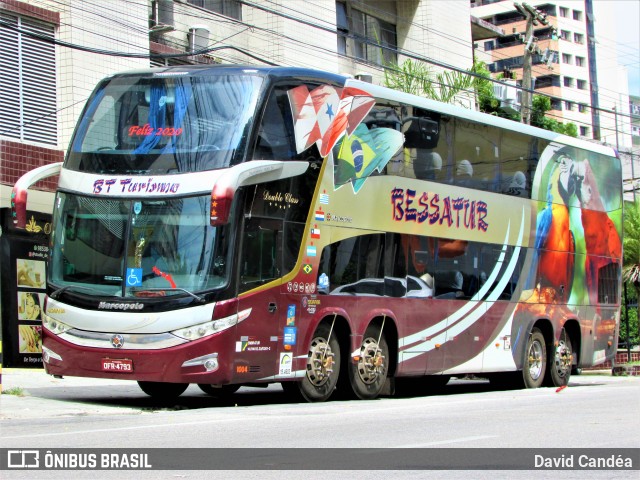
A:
(120, 306)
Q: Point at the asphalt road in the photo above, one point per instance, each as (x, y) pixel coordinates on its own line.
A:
(595, 411)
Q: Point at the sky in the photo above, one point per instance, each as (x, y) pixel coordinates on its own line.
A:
(627, 14)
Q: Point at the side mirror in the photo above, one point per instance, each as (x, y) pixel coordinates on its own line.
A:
(19, 192)
(248, 173)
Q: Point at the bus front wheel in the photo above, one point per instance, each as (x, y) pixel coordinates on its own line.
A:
(323, 365)
(163, 390)
(219, 391)
(535, 362)
(368, 371)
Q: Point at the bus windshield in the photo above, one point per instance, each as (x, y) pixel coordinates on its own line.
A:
(165, 124)
(136, 248)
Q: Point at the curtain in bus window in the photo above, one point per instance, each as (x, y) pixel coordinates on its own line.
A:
(157, 117)
(182, 99)
(215, 121)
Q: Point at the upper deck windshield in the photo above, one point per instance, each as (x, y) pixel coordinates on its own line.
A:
(165, 124)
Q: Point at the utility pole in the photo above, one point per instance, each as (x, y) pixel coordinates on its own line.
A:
(533, 17)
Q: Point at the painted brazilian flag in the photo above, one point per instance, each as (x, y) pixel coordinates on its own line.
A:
(363, 152)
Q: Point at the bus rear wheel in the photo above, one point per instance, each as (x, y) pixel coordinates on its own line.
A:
(560, 360)
(323, 366)
(535, 361)
(219, 391)
(369, 373)
(163, 390)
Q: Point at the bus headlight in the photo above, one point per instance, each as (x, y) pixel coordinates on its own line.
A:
(54, 326)
(218, 325)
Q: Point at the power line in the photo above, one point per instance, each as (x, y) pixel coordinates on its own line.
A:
(415, 56)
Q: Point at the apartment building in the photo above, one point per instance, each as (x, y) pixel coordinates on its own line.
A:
(634, 110)
(574, 60)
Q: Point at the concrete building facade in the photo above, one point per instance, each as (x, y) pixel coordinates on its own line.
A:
(47, 80)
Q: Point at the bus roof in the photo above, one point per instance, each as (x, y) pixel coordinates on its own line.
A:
(306, 74)
(266, 71)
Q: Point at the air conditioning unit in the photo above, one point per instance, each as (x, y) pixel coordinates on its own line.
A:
(162, 16)
(510, 97)
(198, 38)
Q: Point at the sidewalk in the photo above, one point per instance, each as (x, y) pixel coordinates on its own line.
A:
(31, 393)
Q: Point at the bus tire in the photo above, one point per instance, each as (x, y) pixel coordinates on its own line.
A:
(560, 359)
(218, 391)
(323, 366)
(535, 360)
(368, 375)
(163, 390)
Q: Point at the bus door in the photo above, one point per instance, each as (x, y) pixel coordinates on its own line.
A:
(260, 269)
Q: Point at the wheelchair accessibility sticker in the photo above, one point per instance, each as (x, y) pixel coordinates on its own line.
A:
(134, 277)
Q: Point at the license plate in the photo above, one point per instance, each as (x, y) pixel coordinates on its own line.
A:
(120, 365)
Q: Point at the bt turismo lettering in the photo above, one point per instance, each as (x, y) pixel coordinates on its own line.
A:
(127, 185)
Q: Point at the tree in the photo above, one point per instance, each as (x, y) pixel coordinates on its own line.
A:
(631, 261)
(418, 78)
(540, 106)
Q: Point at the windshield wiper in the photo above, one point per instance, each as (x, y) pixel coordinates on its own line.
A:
(198, 298)
(60, 291)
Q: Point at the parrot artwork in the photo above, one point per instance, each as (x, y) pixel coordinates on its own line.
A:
(555, 242)
(602, 240)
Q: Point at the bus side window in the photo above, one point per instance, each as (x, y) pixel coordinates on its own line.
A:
(261, 252)
(276, 136)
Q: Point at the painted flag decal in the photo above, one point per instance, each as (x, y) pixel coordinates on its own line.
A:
(315, 233)
(311, 251)
(319, 216)
(324, 114)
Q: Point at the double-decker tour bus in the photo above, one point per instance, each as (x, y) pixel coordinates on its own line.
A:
(229, 226)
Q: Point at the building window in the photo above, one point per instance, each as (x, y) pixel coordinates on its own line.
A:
(556, 104)
(568, 105)
(565, 35)
(577, 15)
(584, 131)
(578, 38)
(579, 61)
(342, 25)
(375, 40)
(229, 8)
(564, 12)
(488, 46)
(566, 58)
(582, 84)
(635, 131)
(582, 108)
(568, 82)
(28, 81)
